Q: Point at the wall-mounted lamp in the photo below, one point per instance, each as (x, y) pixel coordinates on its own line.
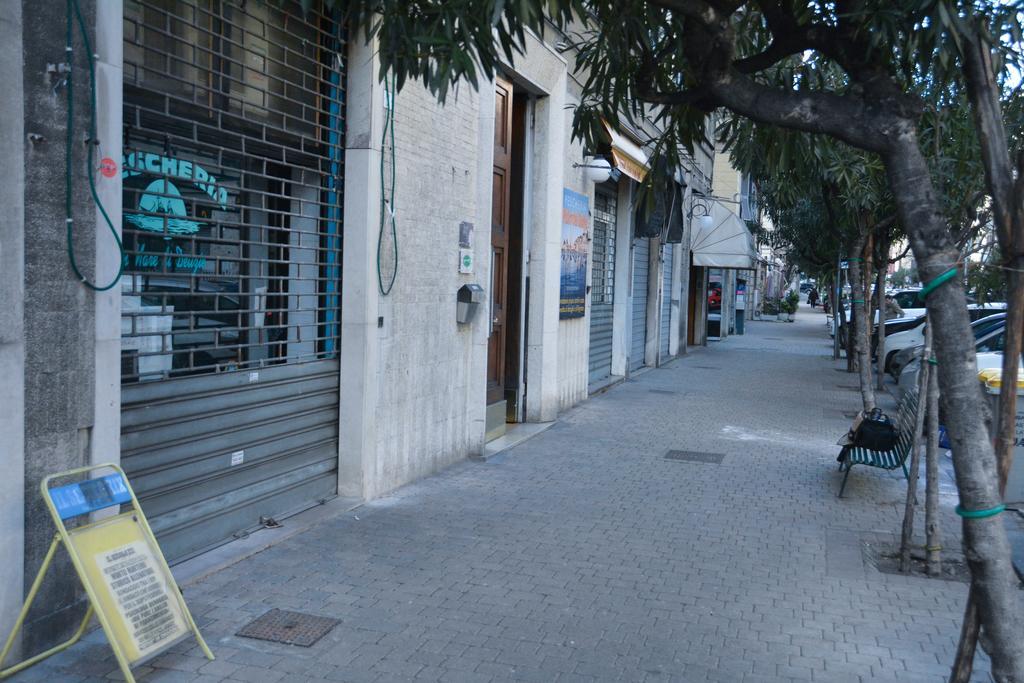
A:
(598, 169)
(700, 208)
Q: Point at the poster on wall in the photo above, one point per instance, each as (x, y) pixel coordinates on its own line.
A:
(573, 285)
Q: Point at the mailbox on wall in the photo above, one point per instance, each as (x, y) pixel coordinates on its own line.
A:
(468, 302)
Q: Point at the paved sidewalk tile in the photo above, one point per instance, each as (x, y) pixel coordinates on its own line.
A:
(584, 555)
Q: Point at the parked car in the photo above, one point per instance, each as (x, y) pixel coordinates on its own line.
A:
(900, 336)
(988, 347)
(901, 358)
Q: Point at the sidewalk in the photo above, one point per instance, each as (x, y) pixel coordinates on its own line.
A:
(584, 554)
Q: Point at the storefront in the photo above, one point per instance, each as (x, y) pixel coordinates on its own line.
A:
(665, 315)
(722, 246)
(638, 317)
(602, 283)
(232, 177)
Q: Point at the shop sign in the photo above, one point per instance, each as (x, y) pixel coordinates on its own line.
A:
(173, 259)
(162, 196)
(573, 284)
(127, 581)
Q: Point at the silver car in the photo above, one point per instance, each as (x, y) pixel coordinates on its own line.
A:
(990, 340)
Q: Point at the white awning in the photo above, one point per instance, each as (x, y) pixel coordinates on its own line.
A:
(629, 157)
(726, 244)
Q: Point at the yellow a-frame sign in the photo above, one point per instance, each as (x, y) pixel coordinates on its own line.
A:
(130, 587)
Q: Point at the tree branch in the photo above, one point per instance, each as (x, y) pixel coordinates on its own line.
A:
(849, 118)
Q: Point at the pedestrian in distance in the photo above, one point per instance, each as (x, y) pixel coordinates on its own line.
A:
(812, 297)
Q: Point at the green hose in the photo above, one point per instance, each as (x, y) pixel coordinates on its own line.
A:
(387, 206)
(73, 8)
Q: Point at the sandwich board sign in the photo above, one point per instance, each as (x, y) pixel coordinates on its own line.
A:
(118, 560)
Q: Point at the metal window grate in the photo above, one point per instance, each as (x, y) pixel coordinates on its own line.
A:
(602, 280)
(233, 178)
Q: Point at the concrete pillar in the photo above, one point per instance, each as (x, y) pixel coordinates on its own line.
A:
(12, 322)
(360, 300)
(545, 255)
(60, 325)
(109, 46)
(476, 399)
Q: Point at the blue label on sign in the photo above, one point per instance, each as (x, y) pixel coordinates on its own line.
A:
(89, 495)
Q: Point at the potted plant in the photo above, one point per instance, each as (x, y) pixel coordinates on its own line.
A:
(783, 308)
(770, 308)
(792, 304)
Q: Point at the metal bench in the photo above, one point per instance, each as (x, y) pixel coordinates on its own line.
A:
(906, 421)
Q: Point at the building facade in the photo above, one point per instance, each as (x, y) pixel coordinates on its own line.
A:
(326, 288)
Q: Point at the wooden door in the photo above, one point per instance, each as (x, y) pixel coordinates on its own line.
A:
(499, 241)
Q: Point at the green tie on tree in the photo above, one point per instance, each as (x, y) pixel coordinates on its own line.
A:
(852, 71)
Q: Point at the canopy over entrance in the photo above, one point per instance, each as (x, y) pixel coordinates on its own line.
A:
(629, 157)
(726, 243)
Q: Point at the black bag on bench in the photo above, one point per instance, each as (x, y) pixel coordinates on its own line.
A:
(876, 432)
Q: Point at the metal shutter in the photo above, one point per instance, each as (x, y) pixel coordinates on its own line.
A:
(641, 254)
(664, 325)
(602, 288)
(230, 300)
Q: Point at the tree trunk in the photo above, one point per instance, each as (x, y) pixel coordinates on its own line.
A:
(933, 537)
(883, 262)
(984, 95)
(846, 340)
(861, 323)
(835, 314)
(985, 544)
(907, 536)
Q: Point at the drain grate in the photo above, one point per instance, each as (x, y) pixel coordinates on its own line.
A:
(663, 391)
(774, 338)
(290, 628)
(850, 416)
(695, 456)
(706, 367)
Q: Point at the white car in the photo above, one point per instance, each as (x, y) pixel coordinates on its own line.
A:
(989, 350)
(910, 338)
(904, 357)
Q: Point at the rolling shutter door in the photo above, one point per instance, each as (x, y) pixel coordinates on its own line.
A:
(602, 289)
(232, 175)
(641, 255)
(664, 324)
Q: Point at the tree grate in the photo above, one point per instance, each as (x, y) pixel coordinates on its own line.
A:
(290, 628)
(695, 456)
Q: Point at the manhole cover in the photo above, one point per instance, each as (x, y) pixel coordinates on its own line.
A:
(774, 338)
(663, 391)
(853, 387)
(290, 628)
(695, 456)
(850, 416)
(706, 367)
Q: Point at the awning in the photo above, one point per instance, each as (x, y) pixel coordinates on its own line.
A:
(726, 244)
(628, 156)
